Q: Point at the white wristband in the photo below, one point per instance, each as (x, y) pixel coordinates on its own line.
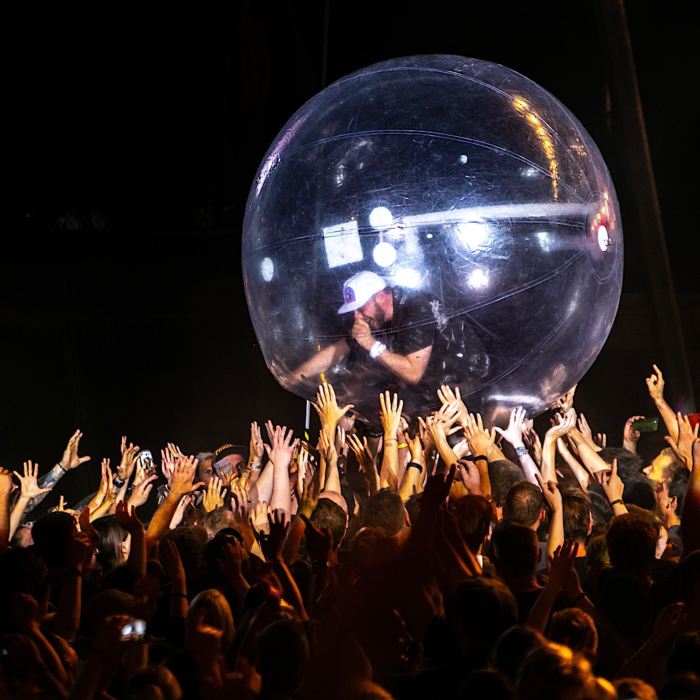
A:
(376, 350)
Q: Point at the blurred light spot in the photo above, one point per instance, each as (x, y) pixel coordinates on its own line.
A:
(384, 254)
(380, 218)
(267, 269)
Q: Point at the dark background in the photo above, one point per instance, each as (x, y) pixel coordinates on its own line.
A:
(132, 138)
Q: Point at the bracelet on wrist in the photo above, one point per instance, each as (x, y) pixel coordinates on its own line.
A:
(616, 501)
(414, 465)
(61, 467)
(521, 450)
(377, 349)
(74, 572)
(477, 458)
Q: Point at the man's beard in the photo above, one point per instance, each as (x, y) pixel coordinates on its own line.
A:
(376, 323)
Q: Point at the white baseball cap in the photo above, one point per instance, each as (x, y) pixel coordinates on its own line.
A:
(359, 289)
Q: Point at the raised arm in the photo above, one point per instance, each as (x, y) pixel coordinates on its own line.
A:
(29, 489)
(69, 460)
(319, 363)
(549, 448)
(514, 435)
(180, 485)
(280, 454)
(655, 385)
(391, 417)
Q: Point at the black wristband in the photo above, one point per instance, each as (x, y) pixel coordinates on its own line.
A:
(476, 458)
(414, 465)
(616, 501)
(74, 572)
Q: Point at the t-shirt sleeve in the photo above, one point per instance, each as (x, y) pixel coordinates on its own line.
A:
(418, 328)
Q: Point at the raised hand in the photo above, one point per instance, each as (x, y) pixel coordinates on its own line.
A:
(167, 464)
(141, 491)
(326, 406)
(259, 517)
(514, 432)
(390, 414)
(470, 475)
(282, 449)
(611, 482)
(630, 436)
(272, 542)
(447, 396)
(551, 493)
(183, 474)
(562, 572)
(365, 460)
(70, 459)
(480, 440)
(533, 443)
(128, 461)
(214, 495)
(564, 425)
(686, 437)
(29, 487)
(127, 517)
(601, 440)
(566, 402)
(256, 446)
(180, 510)
(655, 385)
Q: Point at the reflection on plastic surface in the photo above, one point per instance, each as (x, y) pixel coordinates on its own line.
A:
(483, 205)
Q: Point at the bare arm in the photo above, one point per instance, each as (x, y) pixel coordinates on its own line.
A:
(391, 417)
(655, 385)
(180, 485)
(320, 362)
(410, 368)
(280, 455)
(514, 435)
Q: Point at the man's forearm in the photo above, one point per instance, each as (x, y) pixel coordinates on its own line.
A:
(669, 418)
(48, 481)
(160, 522)
(410, 369)
(17, 514)
(320, 362)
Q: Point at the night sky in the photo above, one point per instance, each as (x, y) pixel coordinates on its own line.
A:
(132, 137)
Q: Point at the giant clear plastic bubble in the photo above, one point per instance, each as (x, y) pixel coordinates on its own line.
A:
(477, 201)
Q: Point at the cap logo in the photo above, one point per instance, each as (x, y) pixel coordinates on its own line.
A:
(349, 294)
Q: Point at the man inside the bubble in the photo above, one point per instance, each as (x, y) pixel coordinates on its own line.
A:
(391, 331)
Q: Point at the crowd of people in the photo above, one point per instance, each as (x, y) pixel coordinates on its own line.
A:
(432, 558)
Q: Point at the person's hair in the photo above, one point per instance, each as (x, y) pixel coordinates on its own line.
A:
(678, 487)
(555, 671)
(515, 550)
(601, 510)
(575, 629)
(503, 475)
(523, 504)
(474, 517)
(330, 515)
(385, 510)
(109, 547)
(513, 646)
(216, 520)
(634, 689)
(282, 657)
(577, 515)
(629, 464)
(205, 457)
(674, 464)
(597, 554)
(640, 491)
(363, 690)
(217, 613)
(685, 657)
(190, 543)
(631, 542)
(155, 676)
(481, 610)
(52, 535)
